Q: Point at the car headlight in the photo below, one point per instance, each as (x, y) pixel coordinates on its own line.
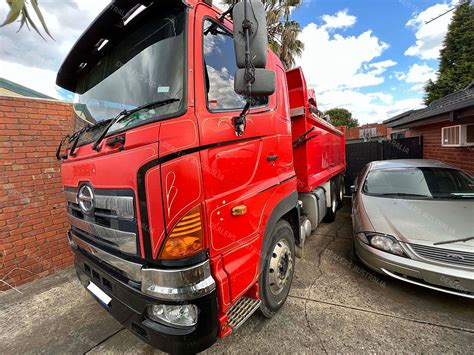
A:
(383, 242)
(185, 315)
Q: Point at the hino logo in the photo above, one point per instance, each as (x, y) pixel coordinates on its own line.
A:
(455, 257)
(85, 198)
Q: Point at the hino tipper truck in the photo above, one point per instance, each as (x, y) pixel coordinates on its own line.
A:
(199, 168)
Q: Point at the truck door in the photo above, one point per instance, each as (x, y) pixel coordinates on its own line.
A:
(238, 172)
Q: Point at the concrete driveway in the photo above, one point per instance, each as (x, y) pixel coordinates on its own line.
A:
(334, 306)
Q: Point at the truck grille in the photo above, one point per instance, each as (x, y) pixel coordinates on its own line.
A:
(111, 222)
(444, 255)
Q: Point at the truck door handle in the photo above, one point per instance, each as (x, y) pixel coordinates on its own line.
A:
(272, 157)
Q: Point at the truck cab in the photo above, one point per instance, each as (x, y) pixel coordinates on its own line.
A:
(182, 222)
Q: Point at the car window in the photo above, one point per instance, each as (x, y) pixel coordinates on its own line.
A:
(220, 68)
(420, 182)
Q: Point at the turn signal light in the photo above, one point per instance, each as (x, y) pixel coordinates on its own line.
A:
(186, 238)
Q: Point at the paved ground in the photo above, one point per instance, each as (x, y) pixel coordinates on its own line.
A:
(334, 306)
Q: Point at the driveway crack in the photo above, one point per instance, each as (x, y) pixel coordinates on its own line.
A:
(104, 340)
(318, 267)
(461, 329)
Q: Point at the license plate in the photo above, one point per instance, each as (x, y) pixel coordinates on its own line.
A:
(97, 292)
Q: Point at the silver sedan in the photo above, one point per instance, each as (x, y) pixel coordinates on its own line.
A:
(413, 220)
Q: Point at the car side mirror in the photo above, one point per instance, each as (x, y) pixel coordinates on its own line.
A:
(353, 189)
(251, 50)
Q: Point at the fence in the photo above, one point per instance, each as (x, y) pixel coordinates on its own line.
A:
(359, 154)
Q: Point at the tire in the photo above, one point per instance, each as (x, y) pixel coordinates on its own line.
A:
(279, 257)
(331, 210)
(341, 191)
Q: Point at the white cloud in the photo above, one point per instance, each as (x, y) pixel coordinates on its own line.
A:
(340, 20)
(338, 66)
(27, 59)
(418, 75)
(42, 80)
(429, 37)
(367, 108)
(380, 67)
(331, 62)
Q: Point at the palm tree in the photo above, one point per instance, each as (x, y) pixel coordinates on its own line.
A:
(19, 8)
(282, 32)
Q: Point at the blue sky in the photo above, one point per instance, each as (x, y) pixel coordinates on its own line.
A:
(360, 34)
(369, 56)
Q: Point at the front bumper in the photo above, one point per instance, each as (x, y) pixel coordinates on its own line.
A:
(129, 306)
(441, 278)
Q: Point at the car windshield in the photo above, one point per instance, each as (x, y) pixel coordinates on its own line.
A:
(145, 66)
(427, 183)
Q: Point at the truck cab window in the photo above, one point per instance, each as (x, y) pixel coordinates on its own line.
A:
(219, 70)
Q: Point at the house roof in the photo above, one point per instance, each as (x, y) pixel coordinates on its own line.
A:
(452, 102)
(22, 90)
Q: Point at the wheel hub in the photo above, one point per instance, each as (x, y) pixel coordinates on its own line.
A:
(281, 265)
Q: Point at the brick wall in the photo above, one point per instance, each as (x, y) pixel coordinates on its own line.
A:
(432, 149)
(32, 213)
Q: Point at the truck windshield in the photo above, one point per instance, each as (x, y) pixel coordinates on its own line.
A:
(425, 183)
(145, 66)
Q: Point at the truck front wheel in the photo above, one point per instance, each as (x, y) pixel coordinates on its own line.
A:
(277, 271)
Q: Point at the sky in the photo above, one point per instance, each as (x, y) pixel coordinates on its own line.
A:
(371, 57)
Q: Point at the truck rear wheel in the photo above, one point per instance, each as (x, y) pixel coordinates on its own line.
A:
(277, 271)
(341, 191)
(331, 210)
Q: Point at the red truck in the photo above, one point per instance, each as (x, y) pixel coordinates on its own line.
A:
(199, 169)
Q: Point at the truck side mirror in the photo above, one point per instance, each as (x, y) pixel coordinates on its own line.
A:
(251, 45)
(263, 85)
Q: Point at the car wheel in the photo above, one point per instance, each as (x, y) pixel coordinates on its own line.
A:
(331, 210)
(277, 271)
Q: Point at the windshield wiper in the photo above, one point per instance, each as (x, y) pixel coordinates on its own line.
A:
(76, 136)
(127, 113)
(403, 194)
(455, 240)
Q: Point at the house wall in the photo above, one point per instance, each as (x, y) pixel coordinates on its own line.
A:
(33, 220)
(462, 157)
(355, 132)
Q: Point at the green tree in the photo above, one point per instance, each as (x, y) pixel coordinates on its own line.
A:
(282, 31)
(18, 9)
(456, 62)
(341, 117)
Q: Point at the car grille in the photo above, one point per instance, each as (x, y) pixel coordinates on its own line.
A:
(112, 221)
(444, 255)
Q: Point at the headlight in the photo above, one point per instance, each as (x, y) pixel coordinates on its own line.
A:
(181, 315)
(382, 242)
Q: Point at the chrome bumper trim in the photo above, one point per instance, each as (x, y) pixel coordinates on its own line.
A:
(122, 205)
(181, 284)
(124, 241)
(132, 270)
(427, 285)
(166, 284)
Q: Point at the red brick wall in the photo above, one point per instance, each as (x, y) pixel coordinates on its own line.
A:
(432, 149)
(32, 212)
